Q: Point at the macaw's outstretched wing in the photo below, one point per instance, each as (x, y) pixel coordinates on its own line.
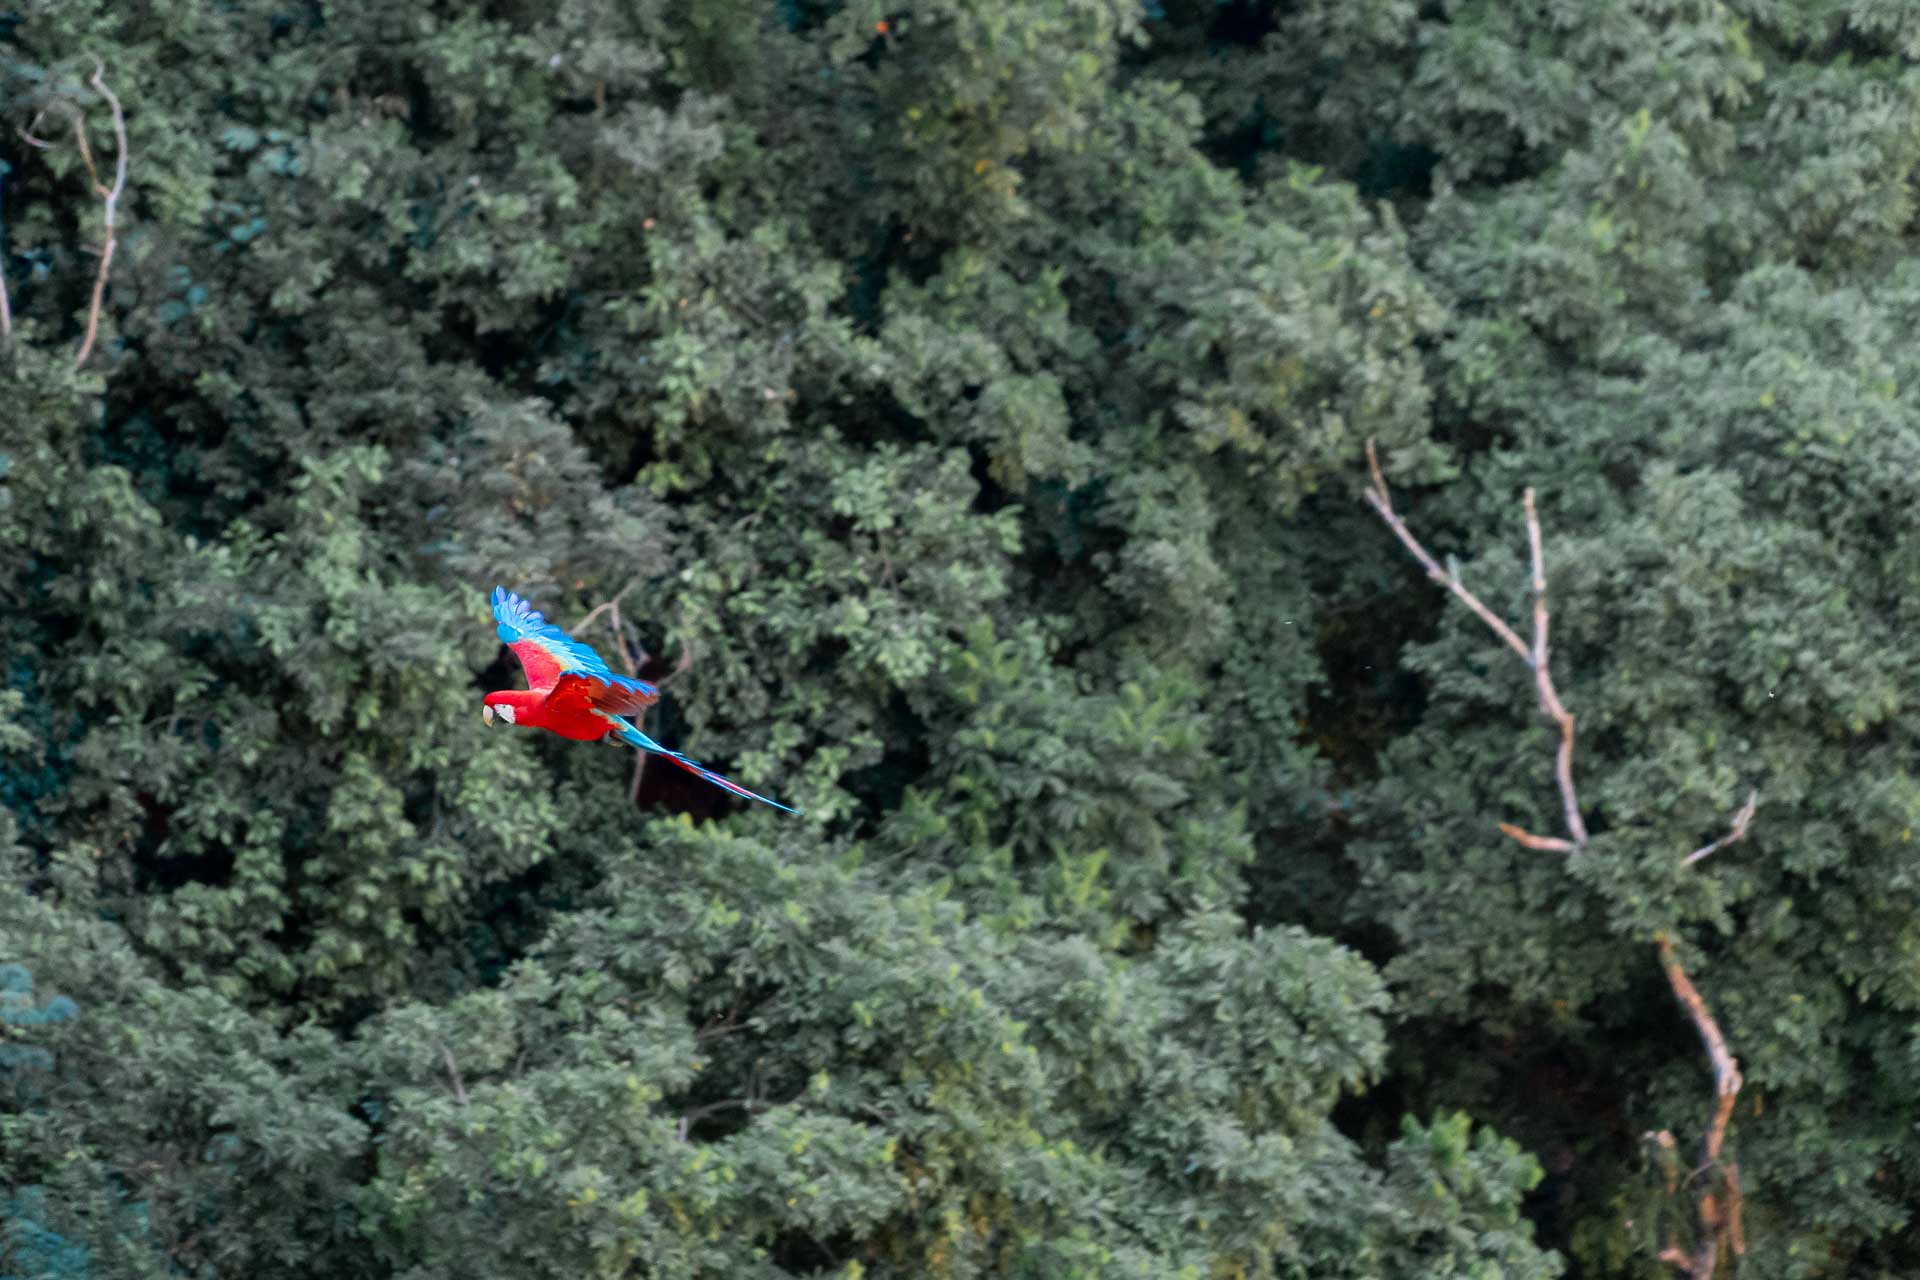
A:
(545, 651)
(625, 696)
(622, 695)
(634, 737)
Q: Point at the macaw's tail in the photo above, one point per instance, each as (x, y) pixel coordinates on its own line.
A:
(633, 737)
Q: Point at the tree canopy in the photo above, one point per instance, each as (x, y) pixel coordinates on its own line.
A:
(962, 412)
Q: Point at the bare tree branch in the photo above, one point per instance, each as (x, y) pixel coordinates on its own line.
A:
(6, 303)
(1536, 656)
(1381, 501)
(1548, 844)
(110, 200)
(1717, 1202)
(453, 1074)
(1543, 679)
(28, 135)
(1726, 1070)
(603, 606)
(1736, 1235)
(1740, 821)
(1719, 1214)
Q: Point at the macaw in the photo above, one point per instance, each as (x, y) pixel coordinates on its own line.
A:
(571, 692)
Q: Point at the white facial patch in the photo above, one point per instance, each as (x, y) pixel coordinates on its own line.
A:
(506, 713)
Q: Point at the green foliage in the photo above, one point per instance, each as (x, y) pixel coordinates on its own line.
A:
(965, 406)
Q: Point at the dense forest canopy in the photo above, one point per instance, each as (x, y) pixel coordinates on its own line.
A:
(960, 409)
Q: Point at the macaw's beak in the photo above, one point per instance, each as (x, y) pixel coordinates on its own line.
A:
(486, 714)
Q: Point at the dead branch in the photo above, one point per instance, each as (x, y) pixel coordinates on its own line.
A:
(680, 667)
(1719, 1214)
(110, 201)
(29, 135)
(1543, 679)
(1740, 821)
(1547, 844)
(1726, 1070)
(6, 303)
(1536, 657)
(1669, 1162)
(453, 1074)
(1718, 1200)
(604, 605)
(1382, 501)
(1735, 1234)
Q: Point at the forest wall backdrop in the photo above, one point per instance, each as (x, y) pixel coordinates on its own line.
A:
(961, 409)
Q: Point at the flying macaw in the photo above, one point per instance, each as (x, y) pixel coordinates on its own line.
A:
(571, 692)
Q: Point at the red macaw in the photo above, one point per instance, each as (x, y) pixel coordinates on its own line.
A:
(571, 692)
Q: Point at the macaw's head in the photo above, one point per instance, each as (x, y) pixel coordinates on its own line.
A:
(502, 703)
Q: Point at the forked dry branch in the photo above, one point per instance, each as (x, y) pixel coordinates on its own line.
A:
(1716, 1181)
(109, 199)
(109, 193)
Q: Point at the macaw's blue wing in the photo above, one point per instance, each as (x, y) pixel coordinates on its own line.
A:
(633, 736)
(545, 651)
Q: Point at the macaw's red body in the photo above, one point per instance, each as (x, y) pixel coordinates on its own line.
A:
(573, 693)
(568, 710)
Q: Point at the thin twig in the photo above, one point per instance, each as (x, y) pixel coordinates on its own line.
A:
(713, 1028)
(1382, 501)
(680, 667)
(604, 605)
(6, 303)
(86, 153)
(1669, 1162)
(639, 772)
(749, 1105)
(110, 199)
(755, 1102)
(619, 625)
(453, 1073)
(1739, 830)
(1543, 678)
(27, 134)
(1547, 844)
(1735, 1199)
